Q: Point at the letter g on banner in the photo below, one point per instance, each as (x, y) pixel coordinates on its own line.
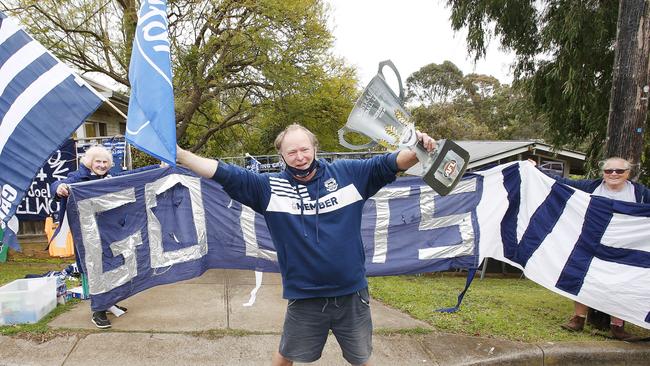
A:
(98, 280)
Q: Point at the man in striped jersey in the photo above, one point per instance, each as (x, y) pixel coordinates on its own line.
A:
(313, 212)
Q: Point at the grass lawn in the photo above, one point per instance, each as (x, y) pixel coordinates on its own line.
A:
(15, 269)
(496, 307)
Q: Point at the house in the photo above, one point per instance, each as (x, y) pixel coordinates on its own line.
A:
(484, 154)
(106, 121)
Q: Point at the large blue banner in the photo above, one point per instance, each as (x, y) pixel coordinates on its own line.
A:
(160, 226)
(165, 225)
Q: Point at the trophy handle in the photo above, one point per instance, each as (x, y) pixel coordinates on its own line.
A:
(342, 141)
(390, 64)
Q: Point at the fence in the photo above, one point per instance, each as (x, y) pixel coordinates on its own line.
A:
(273, 163)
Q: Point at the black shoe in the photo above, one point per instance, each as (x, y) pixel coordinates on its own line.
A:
(101, 320)
(121, 308)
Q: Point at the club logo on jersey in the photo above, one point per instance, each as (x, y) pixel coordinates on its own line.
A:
(331, 185)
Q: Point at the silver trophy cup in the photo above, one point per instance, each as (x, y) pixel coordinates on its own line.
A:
(379, 115)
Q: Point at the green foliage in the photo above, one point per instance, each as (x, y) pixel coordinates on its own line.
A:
(514, 22)
(506, 308)
(564, 53)
(451, 122)
(321, 105)
(141, 159)
(232, 61)
(645, 159)
(238, 64)
(435, 83)
(472, 107)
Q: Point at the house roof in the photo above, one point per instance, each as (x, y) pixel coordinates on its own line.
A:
(116, 98)
(486, 152)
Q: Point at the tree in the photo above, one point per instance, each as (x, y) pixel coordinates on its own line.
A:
(564, 51)
(476, 107)
(322, 107)
(434, 83)
(232, 60)
(450, 122)
(629, 102)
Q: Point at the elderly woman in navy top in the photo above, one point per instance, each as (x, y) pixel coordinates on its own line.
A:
(95, 164)
(614, 184)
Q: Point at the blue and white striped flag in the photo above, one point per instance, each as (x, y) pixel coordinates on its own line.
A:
(151, 123)
(591, 249)
(42, 102)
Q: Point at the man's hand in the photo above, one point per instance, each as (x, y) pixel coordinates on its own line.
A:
(199, 165)
(407, 158)
(63, 190)
(427, 141)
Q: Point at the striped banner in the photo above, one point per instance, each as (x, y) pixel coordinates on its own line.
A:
(42, 102)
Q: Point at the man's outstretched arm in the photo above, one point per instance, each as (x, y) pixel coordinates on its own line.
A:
(202, 166)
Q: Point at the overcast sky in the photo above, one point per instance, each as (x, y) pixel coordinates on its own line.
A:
(411, 33)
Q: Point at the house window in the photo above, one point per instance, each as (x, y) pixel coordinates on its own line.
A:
(122, 129)
(552, 167)
(95, 129)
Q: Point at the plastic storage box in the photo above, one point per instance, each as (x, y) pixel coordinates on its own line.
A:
(27, 300)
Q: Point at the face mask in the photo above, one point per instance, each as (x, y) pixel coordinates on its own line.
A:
(301, 173)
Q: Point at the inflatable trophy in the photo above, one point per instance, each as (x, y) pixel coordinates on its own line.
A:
(379, 115)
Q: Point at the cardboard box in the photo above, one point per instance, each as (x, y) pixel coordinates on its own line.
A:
(77, 293)
(27, 300)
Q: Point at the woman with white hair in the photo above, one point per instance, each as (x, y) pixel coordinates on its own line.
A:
(615, 184)
(95, 164)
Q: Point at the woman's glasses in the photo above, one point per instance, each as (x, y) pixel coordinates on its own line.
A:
(617, 171)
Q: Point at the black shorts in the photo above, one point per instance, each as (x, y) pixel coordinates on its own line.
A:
(308, 321)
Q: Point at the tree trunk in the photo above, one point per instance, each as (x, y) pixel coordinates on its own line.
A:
(629, 100)
(129, 24)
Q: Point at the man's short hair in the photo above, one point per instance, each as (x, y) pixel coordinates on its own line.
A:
(292, 127)
(628, 165)
(96, 151)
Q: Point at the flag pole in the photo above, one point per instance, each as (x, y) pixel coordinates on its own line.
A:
(103, 97)
(4, 248)
(115, 108)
